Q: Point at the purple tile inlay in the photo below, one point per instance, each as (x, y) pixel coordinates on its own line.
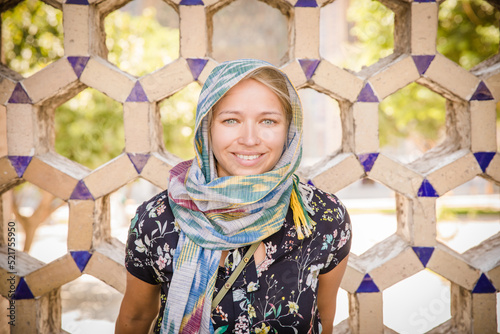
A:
(484, 159)
(81, 258)
(309, 66)
(306, 3)
(484, 285)
(20, 163)
(196, 65)
(311, 183)
(19, 95)
(427, 190)
(422, 62)
(191, 3)
(482, 93)
(137, 94)
(367, 285)
(367, 94)
(78, 64)
(77, 2)
(81, 192)
(368, 160)
(23, 291)
(424, 254)
(138, 160)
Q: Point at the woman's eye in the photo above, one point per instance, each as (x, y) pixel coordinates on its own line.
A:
(268, 122)
(230, 121)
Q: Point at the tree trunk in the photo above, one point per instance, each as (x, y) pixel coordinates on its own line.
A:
(48, 204)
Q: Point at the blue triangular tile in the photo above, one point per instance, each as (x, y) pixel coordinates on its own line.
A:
(484, 159)
(484, 285)
(367, 94)
(137, 94)
(424, 254)
(81, 192)
(311, 183)
(138, 160)
(196, 66)
(482, 93)
(367, 285)
(23, 291)
(306, 3)
(368, 160)
(19, 95)
(191, 3)
(422, 63)
(77, 2)
(81, 258)
(427, 190)
(78, 64)
(309, 66)
(20, 163)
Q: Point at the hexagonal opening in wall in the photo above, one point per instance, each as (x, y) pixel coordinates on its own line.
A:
(411, 122)
(356, 33)
(372, 209)
(468, 214)
(178, 113)
(89, 306)
(322, 126)
(41, 222)
(89, 128)
(427, 303)
(468, 31)
(250, 29)
(143, 36)
(124, 203)
(32, 36)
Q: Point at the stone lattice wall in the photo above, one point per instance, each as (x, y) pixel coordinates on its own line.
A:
(469, 150)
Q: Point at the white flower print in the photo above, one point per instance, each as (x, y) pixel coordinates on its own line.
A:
(312, 278)
(162, 262)
(252, 286)
(139, 246)
(238, 294)
(292, 307)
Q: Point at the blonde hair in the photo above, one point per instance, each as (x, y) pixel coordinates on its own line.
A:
(272, 79)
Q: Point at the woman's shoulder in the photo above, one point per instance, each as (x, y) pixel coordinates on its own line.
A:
(324, 208)
(319, 201)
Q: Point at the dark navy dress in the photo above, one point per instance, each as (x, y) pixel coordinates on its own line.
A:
(278, 295)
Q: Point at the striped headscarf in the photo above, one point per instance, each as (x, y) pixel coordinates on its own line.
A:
(216, 214)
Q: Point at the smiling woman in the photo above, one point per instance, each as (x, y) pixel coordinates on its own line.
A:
(237, 219)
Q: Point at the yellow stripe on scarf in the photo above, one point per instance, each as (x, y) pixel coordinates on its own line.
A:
(301, 219)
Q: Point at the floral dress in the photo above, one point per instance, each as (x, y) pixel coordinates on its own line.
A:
(278, 295)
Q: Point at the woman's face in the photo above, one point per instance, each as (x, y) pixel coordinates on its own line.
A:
(249, 130)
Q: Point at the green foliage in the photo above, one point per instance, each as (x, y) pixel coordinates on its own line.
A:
(372, 30)
(178, 116)
(468, 31)
(131, 51)
(89, 127)
(32, 36)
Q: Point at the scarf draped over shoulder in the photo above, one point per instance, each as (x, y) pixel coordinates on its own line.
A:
(223, 213)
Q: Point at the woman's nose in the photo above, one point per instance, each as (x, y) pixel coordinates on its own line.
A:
(249, 135)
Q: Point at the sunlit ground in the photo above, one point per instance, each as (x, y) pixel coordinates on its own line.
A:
(90, 306)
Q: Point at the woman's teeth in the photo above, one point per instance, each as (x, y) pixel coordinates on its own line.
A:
(248, 157)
